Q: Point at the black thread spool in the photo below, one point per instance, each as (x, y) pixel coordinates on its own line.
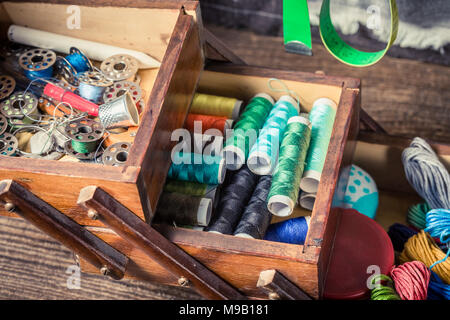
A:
(202, 143)
(256, 217)
(183, 209)
(236, 193)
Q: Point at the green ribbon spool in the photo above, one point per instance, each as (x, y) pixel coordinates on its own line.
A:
(296, 31)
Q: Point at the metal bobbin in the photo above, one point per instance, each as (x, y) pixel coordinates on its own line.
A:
(120, 88)
(116, 154)
(84, 131)
(67, 70)
(37, 59)
(19, 105)
(120, 67)
(68, 149)
(7, 86)
(8, 144)
(94, 78)
(3, 123)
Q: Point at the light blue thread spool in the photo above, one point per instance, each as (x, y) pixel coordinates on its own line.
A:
(264, 153)
(322, 119)
(92, 85)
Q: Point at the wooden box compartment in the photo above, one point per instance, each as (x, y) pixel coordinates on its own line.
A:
(238, 260)
(163, 30)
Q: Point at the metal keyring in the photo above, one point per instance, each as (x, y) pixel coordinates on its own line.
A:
(8, 144)
(37, 59)
(120, 67)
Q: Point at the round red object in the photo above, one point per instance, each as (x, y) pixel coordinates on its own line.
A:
(360, 242)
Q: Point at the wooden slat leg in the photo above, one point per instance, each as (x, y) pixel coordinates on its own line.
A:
(279, 287)
(23, 202)
(102, 206)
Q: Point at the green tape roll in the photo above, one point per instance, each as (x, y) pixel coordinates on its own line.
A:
(295, 30)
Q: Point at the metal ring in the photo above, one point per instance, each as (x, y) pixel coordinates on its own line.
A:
(94, 78)
(37, 59)
(7, 86)
(116, 154)
(120, 67)
(8, 144)
(19, 105)
(82, 156)
(84, 130)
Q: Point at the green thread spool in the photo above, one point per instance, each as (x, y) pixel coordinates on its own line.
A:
(197, 168)
(417, 215)
(246, 130)
(193, 189)
(322, 120)
(216, 106)
(84, 147)
(383, 292)
(287, 175)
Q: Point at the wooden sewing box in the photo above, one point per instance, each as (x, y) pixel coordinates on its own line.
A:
(192, 60)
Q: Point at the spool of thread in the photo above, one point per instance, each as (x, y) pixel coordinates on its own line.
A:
(417, 215)
(399, 234)
(421, 247)
(426, 174)
(438, 225)
(92, 85)
(38, 63)
(234, 197)
(256, 217)
(216, 106)
(183, 209)
(200, 123)
(197, 168)
(286, 179)
(322, 119)
(289, 231)
(193, 189)
(264, 153)
(307, 200)
(246, 130)
(411, 280)
(384, 288)
(78, 61)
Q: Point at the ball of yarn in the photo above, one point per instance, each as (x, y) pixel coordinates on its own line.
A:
(421, 247)
(289, 231)
(438, 224)
(384, 289)
(399, 234)
(427, 174)
(411, 280)
(416, 215)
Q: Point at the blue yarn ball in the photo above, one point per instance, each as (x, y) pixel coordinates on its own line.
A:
(289, 231)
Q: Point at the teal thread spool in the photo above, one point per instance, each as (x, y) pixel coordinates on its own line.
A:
(322, 120)
(246, 130)
(197, 168)
(287, 175)
(264, 153)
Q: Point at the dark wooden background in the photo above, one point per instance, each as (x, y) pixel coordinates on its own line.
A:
(407, 98)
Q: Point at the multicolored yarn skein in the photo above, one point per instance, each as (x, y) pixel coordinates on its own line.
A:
(411, 280)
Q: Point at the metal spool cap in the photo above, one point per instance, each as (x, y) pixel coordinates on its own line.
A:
(84, 130)
(7, 86)
(8, 144)
(120, 67)
(120, 88)
(94, 78)
(116, 154)
(3, 123)
(18, 105)
(37, 59)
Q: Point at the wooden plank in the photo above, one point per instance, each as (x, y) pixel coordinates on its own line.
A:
(169, 104)
(157, 247)
(220, 49)
(102, 256)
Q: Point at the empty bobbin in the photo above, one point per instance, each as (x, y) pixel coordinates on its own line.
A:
(116, 154)
(120, 67)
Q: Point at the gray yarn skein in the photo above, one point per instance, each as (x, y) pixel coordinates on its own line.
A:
(426, 174)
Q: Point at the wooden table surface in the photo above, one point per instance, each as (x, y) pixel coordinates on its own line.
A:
(406, 97)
